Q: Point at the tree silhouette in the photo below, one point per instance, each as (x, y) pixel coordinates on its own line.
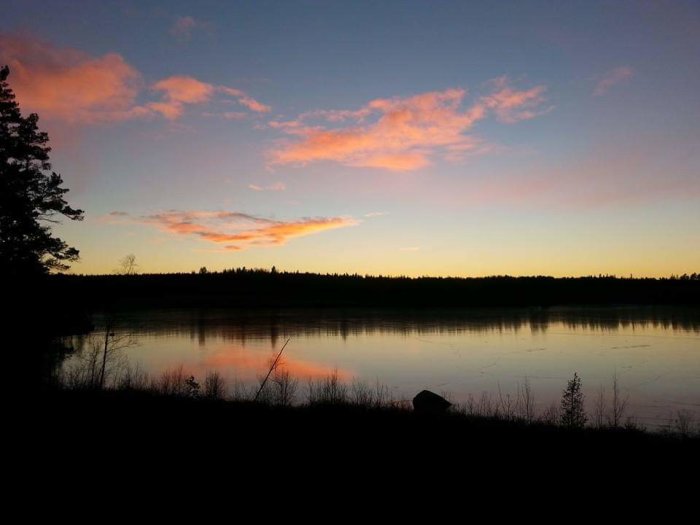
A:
(127, 265)
(30, 194)
(573, 414)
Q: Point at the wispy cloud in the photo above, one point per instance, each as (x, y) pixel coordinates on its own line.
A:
(612, 78)
(277, 186)
(183, 27)
(245, 100)
(115, 218)
(402, 134)
(236, 231)
(511, 105)
(376, 214)
(71, 86)
(178, 91)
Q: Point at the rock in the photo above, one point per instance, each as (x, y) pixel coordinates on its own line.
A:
(427, 402)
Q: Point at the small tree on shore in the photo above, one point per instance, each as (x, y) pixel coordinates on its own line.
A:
(573, 414)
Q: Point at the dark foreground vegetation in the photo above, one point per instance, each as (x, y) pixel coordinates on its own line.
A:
(327, 418)
(337, 436)
(260, 288)
(347, 443)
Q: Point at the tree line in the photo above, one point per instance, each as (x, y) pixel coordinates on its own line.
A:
(243, 287)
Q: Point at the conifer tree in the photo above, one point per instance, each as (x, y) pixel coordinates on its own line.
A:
(31, 195)
(573, 414)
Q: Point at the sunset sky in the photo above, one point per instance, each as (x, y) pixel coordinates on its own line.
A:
(413, 138)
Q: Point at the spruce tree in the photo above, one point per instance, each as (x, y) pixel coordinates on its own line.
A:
(31, 195)
(573, 414)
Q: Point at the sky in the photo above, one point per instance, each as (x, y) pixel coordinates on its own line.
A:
(387, 137)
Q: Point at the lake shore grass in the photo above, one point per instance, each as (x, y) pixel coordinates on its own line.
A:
(331, 429)
(137, 444)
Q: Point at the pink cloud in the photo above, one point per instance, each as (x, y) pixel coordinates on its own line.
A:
(185, 90)
(612, 78)
(169, 110)
(287, 125)
(69, 85)
(338, 115)
(402, 134)
(239, 231)
(178, 91)
(245, 100)
(511, 105)
(254, 105)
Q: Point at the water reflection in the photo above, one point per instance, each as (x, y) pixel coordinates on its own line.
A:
(240, 326)
(654, 351)
(248, 364)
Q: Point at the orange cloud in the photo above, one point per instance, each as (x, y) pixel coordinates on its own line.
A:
(612, 78)
(69, 85)
(185, 90)
(397, 162)
(178, 91)
(402, 134)
(239, 231)
(72, 86)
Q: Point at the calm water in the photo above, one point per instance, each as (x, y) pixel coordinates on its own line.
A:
(655, 352)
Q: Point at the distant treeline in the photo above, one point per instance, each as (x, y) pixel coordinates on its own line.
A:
(248, 288)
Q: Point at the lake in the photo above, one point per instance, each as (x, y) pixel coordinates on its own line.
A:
(655, 352)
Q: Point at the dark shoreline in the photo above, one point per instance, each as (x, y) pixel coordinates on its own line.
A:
(334, 429)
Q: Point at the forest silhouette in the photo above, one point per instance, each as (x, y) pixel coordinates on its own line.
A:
(252, 288)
